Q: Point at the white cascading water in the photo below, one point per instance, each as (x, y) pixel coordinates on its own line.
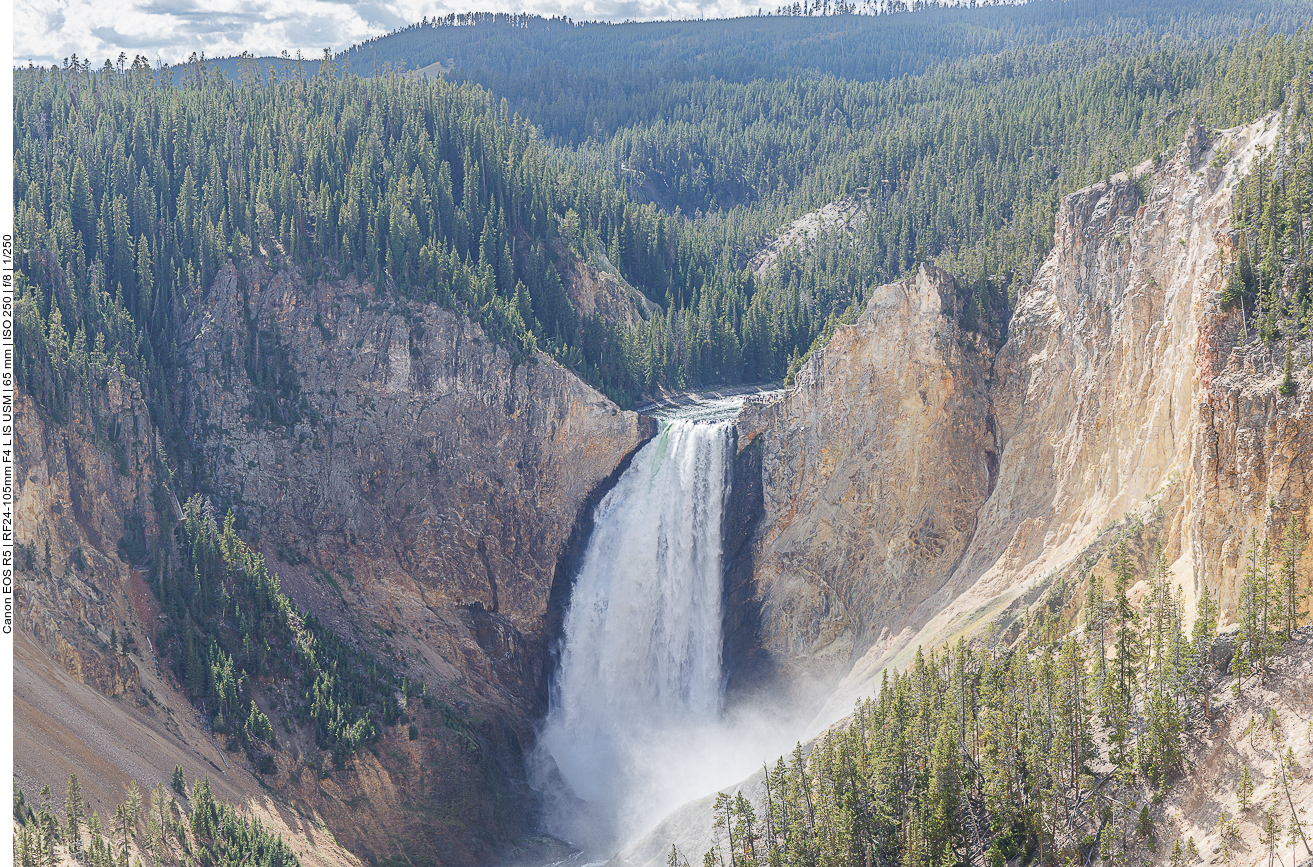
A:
(640, 669)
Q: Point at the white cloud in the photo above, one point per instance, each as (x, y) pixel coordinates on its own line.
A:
(48, 31)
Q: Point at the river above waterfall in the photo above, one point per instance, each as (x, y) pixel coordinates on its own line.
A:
(709, 406)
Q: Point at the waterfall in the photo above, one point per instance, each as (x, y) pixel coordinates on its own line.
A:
(640, 667)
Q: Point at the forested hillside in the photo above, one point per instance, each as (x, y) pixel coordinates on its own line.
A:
(1271, 269)
(1057, 749)
(580, 80)
(182, 826)
(432, 190)
(955, 138)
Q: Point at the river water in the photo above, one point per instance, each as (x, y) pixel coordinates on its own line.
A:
(635, 714)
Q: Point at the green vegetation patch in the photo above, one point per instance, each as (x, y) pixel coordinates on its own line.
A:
(230, 623)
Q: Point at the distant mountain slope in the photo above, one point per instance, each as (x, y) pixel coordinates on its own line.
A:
(559, 72)
(679, 175)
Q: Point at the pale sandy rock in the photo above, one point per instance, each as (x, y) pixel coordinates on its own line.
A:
(600, 289)
(845, 215)
(886, 526)
(874, 467)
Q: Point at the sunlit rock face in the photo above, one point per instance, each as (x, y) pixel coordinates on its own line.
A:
(874, 469)
(916, 486)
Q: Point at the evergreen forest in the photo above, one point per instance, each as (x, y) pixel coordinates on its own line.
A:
(134, 185)
(1049, 750)
(1271, 275)
(230, 624)
(178, 825)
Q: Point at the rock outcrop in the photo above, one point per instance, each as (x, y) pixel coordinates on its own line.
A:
(417, 489)
(1252, 463)
(915, 488)
(82, 513)
(845, 215)
(874, 468)
(600, 290)
(90, 697)
(394, 449)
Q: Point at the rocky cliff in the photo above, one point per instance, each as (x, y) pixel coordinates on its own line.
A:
(90, 696)
(418, 489)
(874, 468)
(916, 487)
(412, 485)
(84, 509)
(393, 442)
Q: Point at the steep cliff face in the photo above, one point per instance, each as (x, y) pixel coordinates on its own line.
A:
(83, 511)
(417, 489)
(412, 486)
(1122, 389)
(90, 697)
(1113, 383)
(874, 467)
(1252, 464)
(1097, 385)
(408, 447)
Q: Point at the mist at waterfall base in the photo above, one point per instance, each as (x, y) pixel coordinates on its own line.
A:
(636, 725)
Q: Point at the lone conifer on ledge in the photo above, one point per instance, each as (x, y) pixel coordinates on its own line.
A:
(1288, 385)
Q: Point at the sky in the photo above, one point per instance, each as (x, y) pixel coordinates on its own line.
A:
(48, 31)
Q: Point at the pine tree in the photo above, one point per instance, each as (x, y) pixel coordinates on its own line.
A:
(1144, 825)
(74, 811)
(1256, 639)
(1270, 832)
(82, 206)
(1288, 589)
(1203, 634)
(1288, 385)
(1119, 688)
(1245, 793)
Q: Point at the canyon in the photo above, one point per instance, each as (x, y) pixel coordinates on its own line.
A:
(918, 485)
(430, 499)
